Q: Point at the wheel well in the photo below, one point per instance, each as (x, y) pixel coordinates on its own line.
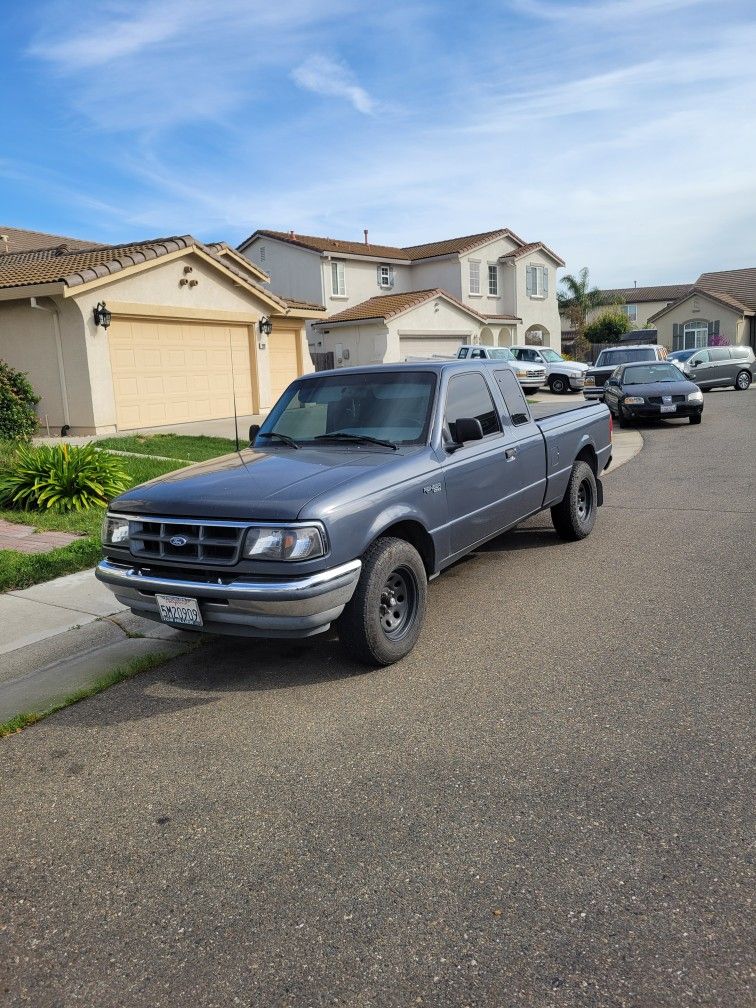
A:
(415, 534)
(588, 454)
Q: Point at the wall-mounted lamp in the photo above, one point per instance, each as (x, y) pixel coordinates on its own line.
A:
(265, 326)
(102, 316)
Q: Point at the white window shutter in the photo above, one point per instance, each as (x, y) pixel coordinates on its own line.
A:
(391, 276)
(545, 281)
(529, 280)
(378, 271)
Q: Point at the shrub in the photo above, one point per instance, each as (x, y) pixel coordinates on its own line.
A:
(17, 401)
(608, 327)
(61, 478)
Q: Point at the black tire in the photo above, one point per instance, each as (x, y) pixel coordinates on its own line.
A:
(559, 385)
(696, 418)
(622, 419)
(575, 515)
(742, 381)
(372, 630)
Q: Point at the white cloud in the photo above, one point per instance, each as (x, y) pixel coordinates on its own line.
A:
(324, 76)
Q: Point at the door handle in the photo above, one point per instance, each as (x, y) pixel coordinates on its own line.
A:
(510, 454)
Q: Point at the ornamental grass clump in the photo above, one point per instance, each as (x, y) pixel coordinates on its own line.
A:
(61, 478)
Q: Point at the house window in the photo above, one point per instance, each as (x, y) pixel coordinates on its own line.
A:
(338, 282)
(537, 281)
(493, 279)
(695, 334)
(474, 277)
(385, 276)
(631, 311)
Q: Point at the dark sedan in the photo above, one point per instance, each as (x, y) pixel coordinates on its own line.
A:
(656, 390)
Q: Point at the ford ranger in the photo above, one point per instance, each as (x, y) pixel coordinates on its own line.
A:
(361, 485)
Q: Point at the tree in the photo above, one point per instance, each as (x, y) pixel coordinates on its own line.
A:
(576, 301)
(607, 327)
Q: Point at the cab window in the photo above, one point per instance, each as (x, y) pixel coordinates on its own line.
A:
(468, 396)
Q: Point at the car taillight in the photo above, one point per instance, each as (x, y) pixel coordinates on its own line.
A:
(611, 427)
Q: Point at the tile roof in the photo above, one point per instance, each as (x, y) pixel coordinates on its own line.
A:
(410, 252)
(388, 306)
(226, 251)
(533, 247)
(23, 240)
(701, 291)
(739, 284)
(306, 305)
(638, 295)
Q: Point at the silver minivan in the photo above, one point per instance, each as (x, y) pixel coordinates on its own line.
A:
(715, 367)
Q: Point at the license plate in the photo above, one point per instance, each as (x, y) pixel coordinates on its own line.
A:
(176, 609)
(668, 409)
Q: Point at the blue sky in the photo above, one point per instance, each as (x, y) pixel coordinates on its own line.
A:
(620, 132)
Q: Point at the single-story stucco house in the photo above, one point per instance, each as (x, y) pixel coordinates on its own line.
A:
(184, 341)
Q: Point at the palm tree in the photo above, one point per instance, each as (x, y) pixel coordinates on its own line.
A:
(575, 302)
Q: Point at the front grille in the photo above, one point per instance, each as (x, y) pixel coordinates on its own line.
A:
(657, 400)
(188, 541)
(535, 373)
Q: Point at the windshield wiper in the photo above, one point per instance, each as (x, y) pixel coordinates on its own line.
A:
(283, 437)
(346, 436)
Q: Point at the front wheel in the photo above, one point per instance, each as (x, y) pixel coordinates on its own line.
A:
(742, 381)
(559, 384)
(696, 418)
(575, 515)
(382, 621)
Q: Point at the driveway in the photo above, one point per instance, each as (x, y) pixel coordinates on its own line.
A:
(547, 804)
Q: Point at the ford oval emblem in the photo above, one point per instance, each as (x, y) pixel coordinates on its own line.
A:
(178, 541)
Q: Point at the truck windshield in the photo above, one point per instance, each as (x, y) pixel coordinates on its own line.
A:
(499, 353)
(551, 356)
(388, 406)
(611, 358)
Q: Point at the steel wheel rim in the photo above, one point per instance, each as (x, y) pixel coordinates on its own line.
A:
(558, 385)
(398, 603)
(584, 500)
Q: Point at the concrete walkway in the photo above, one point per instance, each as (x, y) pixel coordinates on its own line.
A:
(26, 538)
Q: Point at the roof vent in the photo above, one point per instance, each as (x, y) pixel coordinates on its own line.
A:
(365, 232)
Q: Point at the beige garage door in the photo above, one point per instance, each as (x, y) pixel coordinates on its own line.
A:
(426, 346)
(170, 372)
(284, 362)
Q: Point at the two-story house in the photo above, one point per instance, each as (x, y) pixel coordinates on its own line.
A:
(385, 303)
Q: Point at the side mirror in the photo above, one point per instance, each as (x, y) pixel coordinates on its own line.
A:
(254, 430)
(468, 429)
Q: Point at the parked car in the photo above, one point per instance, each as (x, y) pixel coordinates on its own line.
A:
(655, 390)
(360, 485)
(530, 376)
(561, 375)
(716, 367)
(611, 358)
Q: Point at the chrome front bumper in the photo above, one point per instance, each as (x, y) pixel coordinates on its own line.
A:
(294, 607)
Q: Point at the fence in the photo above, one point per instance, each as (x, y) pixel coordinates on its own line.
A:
(322, 361)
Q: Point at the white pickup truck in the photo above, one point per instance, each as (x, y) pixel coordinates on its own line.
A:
(561, 375)
(530, 376)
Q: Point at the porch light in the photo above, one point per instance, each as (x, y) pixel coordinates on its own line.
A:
(102, 316)
(265, 326)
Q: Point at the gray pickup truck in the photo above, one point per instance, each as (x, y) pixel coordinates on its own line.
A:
(360, 486)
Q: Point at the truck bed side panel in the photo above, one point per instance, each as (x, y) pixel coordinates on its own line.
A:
(567, 433)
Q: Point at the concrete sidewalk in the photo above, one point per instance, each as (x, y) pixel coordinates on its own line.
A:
(62, 636)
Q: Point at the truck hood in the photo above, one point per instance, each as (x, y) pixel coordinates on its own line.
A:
(252, 484)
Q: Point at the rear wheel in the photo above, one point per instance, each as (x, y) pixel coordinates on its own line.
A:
(558, 384)
(742, 381)
(575, 515)
(382, 621)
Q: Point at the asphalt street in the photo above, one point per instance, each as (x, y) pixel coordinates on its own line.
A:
(549, 803)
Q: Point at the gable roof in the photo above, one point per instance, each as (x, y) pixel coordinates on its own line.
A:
(739, 284)
(408, 253)
(23, 240)
(700, 291)
(639, 295)
(534, 247)
(388, 306)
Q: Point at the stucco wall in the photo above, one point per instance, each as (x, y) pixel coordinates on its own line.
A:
(58, 371)
(294, 272)
(541, 312)
(443, 273)
(361, 282)
(732, 326)
(485, 303)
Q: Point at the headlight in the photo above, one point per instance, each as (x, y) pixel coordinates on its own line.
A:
(696, 396)
(633, 400)
(115, 531)
(521, 372)
(590, 381)
(292, 542)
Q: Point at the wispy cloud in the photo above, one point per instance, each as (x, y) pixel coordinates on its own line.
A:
(327, 77)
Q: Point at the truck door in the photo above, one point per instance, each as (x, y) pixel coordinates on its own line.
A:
(526, 449)
(475, 474)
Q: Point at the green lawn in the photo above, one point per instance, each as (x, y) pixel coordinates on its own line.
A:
(175, 446)
(19, 570)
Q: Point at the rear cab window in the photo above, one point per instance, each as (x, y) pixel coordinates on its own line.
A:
(514, 400)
